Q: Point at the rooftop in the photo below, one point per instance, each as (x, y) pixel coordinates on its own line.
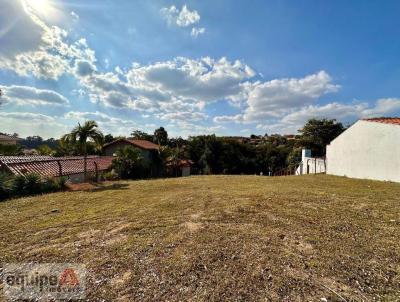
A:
(48, 166)
(384, 120)
(140, 143)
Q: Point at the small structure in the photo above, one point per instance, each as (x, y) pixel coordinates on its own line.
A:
(48, 166)
(8, 140)
(147, 149)
(309, 164)
(181, 167)
(369, 149)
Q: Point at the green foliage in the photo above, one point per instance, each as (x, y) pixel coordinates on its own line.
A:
(137, 134)
(109, 175)
(10, 150)
(44, 150)
(317, 133)
(128, 163)
(161, 136)
(6, 185)
(26, 185)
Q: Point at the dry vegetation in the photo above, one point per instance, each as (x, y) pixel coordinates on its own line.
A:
(215, 238)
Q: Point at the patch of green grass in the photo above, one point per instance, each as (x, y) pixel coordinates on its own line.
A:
(214, 238)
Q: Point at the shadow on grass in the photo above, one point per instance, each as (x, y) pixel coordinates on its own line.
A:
(114, 186)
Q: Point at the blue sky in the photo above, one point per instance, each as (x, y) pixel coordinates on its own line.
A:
(195, 67)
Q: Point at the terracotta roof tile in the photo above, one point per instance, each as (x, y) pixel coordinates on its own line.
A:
(47, 166)
(384, 120)
(143, 144)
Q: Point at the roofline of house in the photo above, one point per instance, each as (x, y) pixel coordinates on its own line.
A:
(129, 142)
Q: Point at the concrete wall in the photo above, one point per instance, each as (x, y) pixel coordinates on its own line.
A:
(310, 165)
(367, 150)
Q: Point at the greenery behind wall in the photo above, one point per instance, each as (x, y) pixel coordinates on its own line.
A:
(210, 154)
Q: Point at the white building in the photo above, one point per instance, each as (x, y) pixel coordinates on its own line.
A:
(309, 164)
(369, 149)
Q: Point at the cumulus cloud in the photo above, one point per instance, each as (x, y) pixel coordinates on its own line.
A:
(42, 51)
(27, 123)
(183, 18)
(25, 95)
(196, 31)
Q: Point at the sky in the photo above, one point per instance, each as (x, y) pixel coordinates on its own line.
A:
(195, 67)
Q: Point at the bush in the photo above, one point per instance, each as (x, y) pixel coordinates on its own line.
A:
(128, 163)
(6, 185)
(30, 184)
(110, 175)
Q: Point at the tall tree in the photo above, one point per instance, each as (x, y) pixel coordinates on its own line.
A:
(137, 134)
(81, 134)
(161, 136)
(317, 133)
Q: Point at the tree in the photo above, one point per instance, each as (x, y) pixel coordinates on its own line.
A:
(161, 136)
(137, 134)
(80, 135)
(127, 162)
(317, 133)
(45, 150)
(108, 138)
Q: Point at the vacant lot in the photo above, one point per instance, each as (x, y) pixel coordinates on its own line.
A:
(214, 238)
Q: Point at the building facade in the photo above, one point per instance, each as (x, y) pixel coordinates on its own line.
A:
(369, 149)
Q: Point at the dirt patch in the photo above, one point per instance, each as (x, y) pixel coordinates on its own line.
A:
(193, 226)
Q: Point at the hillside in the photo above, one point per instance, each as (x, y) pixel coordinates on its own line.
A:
(213, 238)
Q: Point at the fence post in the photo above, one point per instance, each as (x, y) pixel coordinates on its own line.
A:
(59, 168)
(96, 171)
(315, 165)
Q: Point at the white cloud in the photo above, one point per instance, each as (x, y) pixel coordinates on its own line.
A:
(181, 18)
(25, 95)
(196, 31)
(42, 51)
(27, 123)
(74, 16)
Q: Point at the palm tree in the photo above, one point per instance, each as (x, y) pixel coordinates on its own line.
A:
(81, 134)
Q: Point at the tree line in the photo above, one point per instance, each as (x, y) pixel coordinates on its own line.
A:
(210, 154)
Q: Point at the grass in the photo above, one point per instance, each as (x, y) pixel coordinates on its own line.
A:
(218, 238)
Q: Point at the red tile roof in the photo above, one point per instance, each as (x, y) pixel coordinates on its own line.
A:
(385, 120)
(143, 144)
(47, 166)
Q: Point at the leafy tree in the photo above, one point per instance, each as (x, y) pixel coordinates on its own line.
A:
(80, 136)
(161, 136)
(10, 150)
(128, 162)
(108, 138)
(137, 134)
(45, 150)
(317, 133)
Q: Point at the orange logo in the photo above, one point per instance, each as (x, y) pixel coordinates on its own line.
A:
(69, 278)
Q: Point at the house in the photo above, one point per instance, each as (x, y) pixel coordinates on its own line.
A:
(181, 167)
(147, 149)
(48, 166)
(309, 164)
(8, 140)
(369, 149)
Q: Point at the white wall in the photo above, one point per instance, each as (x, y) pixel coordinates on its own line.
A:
(369, 150)
(309, 164)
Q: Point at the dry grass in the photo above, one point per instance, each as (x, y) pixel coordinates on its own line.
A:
(215, 238)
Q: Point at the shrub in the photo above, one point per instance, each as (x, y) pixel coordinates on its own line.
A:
(128, 163)
(6, 185)
(109, 175)
(30, 184)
